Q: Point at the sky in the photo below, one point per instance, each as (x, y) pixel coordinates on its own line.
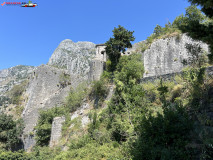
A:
(29, 36)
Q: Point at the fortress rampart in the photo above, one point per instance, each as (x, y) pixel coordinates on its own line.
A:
(164, 56)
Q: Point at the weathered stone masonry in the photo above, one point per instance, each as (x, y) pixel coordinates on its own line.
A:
(171, 76)
(166, 55)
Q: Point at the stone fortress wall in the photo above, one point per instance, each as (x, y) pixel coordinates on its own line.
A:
(98, 64)
(164, 56)
(171, 76)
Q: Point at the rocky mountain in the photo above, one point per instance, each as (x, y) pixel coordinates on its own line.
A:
(50, 84)
(74, 57)
(48, 88)
(13, 76)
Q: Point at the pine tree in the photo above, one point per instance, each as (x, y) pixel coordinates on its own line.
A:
(121, 40)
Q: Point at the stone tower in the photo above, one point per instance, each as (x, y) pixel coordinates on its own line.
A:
(98, 64)
(101, 52)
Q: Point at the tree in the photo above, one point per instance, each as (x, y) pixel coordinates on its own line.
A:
(43, 128)
(164, 136)
(158, 30)
(206, 6)
(121, 40)
(10, 131)
(198, 26)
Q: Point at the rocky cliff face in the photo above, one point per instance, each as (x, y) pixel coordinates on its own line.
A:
(47, 88)
(75, 57)
(13, 76)
(166, 55)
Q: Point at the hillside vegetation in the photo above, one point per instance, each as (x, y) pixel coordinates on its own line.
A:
(160, 120)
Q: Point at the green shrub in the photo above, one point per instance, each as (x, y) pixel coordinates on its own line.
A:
(107, 76)
(109, 66)
(170, 30)
(75, 98)
(164, 136)
(129, 69)
(151, 91)
(17, 91)
(92, 150)
(43, 128)
(99, 88)
(44, 153)
(4, 100)
(10, 131)
(8, 155)
(18, 110)
(64, 80)
(176, 92)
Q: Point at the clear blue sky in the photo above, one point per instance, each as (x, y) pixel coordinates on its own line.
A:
(29, 36)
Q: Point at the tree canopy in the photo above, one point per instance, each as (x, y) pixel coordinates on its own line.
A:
(121, 40)
(198, 26)
(206, 6)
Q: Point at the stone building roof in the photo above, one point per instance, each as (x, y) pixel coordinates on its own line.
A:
(100, 45)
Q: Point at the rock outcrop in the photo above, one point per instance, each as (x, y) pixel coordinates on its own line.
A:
(75, 57)
(46, 87)
(166, 55)
(82, 112)
(44, 91)
(13, 76)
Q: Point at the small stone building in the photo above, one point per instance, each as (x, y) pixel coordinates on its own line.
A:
(101, 52)
(98, 64)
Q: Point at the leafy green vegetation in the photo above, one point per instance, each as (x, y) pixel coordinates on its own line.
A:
(164, 136)
(99, 90)
(4, 100)
(17, 91)
(206, 6)
(10, 132)
(64, 80)
(121, 40)
(170, 30)
(197, 25)
(43, 128)
(9, 155)
(76, 96)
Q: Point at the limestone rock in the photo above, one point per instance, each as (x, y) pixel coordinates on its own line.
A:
(44, 92)
(80, 111)
(75, 57)
(13, 76)
(83, 113)
(85, 120)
